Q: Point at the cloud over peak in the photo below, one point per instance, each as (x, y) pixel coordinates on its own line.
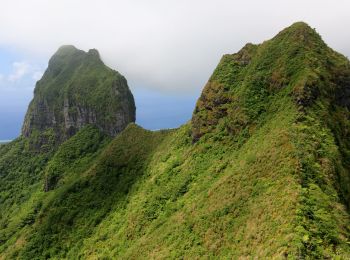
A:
(169, 45)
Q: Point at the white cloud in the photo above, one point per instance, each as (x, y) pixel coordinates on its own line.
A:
(37, 75)
(170, 45)
(23, 75)
(20, 69)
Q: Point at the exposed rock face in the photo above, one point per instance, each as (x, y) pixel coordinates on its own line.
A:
(342, 94)
(217, 100)
(77, 89)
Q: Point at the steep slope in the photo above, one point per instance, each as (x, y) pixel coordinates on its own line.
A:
(23, 173)
(261, 171)
(296, 69)
(296, 66)
(78, 89)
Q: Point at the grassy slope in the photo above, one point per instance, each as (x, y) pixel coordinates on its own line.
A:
(157, 195)
(296, 67)
(22, 180)
(20, 173)
(208, 200)
(275, 187)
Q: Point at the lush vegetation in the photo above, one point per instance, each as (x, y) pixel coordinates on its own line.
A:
(262, 171)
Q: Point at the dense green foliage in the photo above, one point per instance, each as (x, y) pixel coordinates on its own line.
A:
(21, 172)
(262, 171)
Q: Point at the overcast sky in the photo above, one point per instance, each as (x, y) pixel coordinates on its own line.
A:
(169, 47)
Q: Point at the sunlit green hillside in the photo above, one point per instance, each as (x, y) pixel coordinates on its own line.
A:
(261, 171)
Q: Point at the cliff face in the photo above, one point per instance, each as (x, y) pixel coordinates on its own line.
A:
(78, 89)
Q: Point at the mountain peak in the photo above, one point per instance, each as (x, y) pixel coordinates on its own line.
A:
(300, 33)
(267, 176)
(300, 25)
(297, 28)
(78, 89)
(94, 52)
(71, 52)
(66, 50)
(295, 61)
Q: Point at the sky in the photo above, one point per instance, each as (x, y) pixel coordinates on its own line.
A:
(167, 49)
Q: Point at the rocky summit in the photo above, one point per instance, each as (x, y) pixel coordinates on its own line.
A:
(262, 170)
(76, 90)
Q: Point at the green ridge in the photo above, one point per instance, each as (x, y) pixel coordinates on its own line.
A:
(261, 171)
